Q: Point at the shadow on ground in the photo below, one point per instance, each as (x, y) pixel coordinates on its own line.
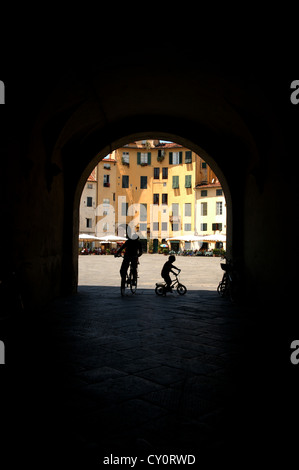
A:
(97, 374)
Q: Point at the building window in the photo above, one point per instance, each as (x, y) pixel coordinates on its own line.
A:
(89, 201)
(89, 185)
(164, 198)
(143, 212)
(124, 208)
(143, 158)
(165, 173)
(156, 173)
(143, 227)
(88, 223)
(106, 181)
(188, 156)
(188, 209)
(203, 227)
(143, 182)
(155, 226)
(203, 165)
(175, 182)
(188, 181)
(175, 158)
(217, 227)
(164, 226)
(106, 206)
(107, 166)
(175, 209)
(156, 198)
(219, 192)
(175, 227)
(204, 208)
(187, 227)
(218, 208)
(125, 181)
(125, 158)
(204, 192)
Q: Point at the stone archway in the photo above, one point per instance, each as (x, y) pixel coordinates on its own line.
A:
(89, 114)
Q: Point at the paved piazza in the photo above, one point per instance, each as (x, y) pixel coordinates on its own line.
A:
(198, 272)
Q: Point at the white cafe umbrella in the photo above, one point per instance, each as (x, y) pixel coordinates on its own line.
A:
(187, 238)
(112, 238)
(214, 238)
(87, 237)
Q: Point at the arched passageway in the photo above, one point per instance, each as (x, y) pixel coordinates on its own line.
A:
(54, 143)
(89, 114)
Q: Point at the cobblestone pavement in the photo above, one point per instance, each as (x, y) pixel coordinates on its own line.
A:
(137, 375)
(150, 372)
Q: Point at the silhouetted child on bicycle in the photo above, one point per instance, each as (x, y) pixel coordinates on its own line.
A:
(167, 269)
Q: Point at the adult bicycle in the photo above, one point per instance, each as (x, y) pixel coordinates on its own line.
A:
(131, 280)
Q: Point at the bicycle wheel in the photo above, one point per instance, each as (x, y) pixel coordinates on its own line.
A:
(222, 287)
(160, 290)
(181, 289)
(124, 290)
(133, 282)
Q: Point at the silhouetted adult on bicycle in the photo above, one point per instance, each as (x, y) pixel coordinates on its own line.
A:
(133, 250)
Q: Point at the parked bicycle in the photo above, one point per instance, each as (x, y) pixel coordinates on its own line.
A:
(228, 286)
(131, 278)
(161, 288)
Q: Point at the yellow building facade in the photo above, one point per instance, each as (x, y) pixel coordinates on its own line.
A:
(150, 187)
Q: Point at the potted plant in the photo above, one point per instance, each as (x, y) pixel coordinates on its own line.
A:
(161, 157)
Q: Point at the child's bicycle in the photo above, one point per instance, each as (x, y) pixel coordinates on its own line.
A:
(131, 279)
(161, 288)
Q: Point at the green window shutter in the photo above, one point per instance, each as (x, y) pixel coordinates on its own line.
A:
(149, 158)
(138, 158)
(180, 157)
(175, 182)
(188, 181)
(170, 158)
